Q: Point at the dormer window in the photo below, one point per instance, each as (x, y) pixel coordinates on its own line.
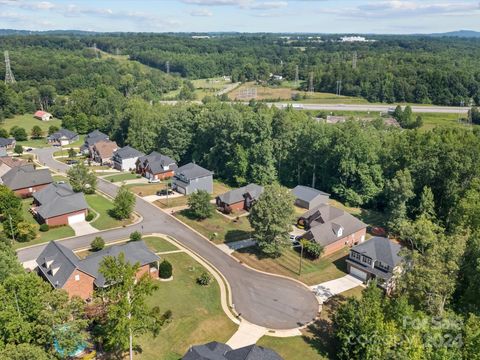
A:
(48, 263)
(54, 270)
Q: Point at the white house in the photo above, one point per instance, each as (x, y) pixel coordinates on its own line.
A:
(125, 159)
(43, 115)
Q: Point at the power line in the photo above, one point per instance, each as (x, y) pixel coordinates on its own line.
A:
(9, 78)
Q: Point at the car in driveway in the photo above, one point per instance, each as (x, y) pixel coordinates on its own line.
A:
(294, 239)
(164, 192)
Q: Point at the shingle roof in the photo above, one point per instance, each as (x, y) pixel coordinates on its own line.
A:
(105, 148)
(94, 137)
(192, 171)
(6, 142)
(306, 193)
(219, 351)
(382, 249)
(135, 251)
(63, 133)
(58, 199)
(127, 152)
(157, 161)
(21, 177)
(237, 195)
(12, 162)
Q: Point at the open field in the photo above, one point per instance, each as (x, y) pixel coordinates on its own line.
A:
(197, 316)
(27, 121)
(101, 205)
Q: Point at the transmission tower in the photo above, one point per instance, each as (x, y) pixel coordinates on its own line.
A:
(310, 82)
(167, 67)
(95, 50)
(9, 78)
(354, 60)
(339, 87)
(296, 75)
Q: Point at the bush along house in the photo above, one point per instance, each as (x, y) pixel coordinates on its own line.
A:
(239, 199)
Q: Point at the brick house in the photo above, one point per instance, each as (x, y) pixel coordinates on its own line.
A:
(239, 199)
(80, 277)
(8, 163)
(332, 228)
(192, 177)
(102, 151)
(57, 204)
(156, 166)
(91, 139)
(25, 180)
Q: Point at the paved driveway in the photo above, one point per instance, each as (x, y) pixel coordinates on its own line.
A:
(83, 228)
(326, 290)
(261, 299)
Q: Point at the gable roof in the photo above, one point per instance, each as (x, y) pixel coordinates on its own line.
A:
(191, 171)
(63, 133)
(58, 199)
(381, 249)
(306, 193)
(94, 137)
(40, 113)
(25, 176)
(6, 142)
(127, 152)
(237, 195)
(11, 161)
(219, 351)
(105, 148)
(156, 162)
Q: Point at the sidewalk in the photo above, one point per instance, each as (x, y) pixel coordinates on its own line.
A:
(247, 334)
(230, 247)
(326, 290)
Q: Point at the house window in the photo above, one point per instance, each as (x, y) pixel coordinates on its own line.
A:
(355, 255)
(77, 277)
(382, 266)
(367, 260)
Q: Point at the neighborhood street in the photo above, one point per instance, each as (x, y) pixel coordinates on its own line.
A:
(262, 299)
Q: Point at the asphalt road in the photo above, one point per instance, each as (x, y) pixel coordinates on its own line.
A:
(261, 299)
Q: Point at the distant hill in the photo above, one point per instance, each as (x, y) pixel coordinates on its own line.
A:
(5, 32)
(459, 33)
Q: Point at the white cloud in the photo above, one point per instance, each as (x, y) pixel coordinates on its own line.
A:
(243, 4)
(268, 5)
(201, 13)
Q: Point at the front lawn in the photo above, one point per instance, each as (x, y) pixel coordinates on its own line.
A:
(122, 177)
(288, 264)
(226, 230)
(159, 244)
(197, 316)
(102, 206)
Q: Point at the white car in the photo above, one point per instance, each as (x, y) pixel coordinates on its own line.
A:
(153, 181)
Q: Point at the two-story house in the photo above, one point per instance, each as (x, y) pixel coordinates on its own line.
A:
(125, 159)
(156, 166)
(192, 177)
(377, 258)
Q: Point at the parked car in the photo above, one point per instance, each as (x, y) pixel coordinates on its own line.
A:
(28, 149)
(153, 181)
(164, 192)
(71, 162)
(294, 239)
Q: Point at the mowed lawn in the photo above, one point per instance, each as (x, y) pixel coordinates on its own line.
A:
(102, 206)
(122, 177)
(288, 264)
(27, 121)
(197, 316)
(159, 244)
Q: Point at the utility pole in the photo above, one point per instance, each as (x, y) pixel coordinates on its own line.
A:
(310, 82)
(167, 67)
(296, 75)
(354, 60)
(339, 87)
(9, 78)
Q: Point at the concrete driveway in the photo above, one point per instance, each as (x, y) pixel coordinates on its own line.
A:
(326, 290)
(83, 228)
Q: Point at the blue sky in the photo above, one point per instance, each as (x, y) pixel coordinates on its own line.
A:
(326, 16)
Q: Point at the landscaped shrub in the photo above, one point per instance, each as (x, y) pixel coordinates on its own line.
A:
(44, 227)
(204, 279)
(89, 216)
(136, 236)
(165, 270)
(312, 249)
(97, 244)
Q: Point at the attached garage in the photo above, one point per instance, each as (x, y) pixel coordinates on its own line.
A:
(362, 275)
(74, 219)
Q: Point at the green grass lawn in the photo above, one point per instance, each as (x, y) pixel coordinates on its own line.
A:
(288, 264)
(144, 189)
(432, 120)
(197, 316)
(122, 177)
(101, 205)
(370, 217)
(159, 244)
(227, 230)
(27, 121)
(59, 178)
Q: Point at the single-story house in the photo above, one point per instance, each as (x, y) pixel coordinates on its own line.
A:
(102, 151)
(219, 351)
(63, 137)
(377, 258)
(57, 204)
(125, 159)
(91, 139)
(192, 177)
(24, 180)
(156, 166)
(80, 277)
(43, 115)
(239, 199)
(308, 198)
(7, 143)
(8, 163)
(332, 228)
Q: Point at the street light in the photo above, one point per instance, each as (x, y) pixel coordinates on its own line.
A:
(301, 257)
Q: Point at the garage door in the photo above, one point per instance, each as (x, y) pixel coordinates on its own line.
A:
(73, 219)
(362, 275)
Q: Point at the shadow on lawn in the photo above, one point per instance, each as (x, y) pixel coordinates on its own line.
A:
(236, 235)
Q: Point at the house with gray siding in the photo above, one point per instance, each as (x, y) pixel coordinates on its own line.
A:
(125, 159)
(308, 198)
(192, 177)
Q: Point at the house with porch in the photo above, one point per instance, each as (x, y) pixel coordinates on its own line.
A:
(24, 180)
(239, 199)
(192, 177)
(156, 166)
(125, 159)
(59, 266)
(62, 137)
(378, 258)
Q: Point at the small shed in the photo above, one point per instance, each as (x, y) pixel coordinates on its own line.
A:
(43, 115)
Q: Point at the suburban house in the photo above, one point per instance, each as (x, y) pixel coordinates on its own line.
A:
(239, 199)
(308, 198)
(377, 258)
(43, 115)
(192, 177)
(7, 143)
(24, 180)
(57, 204)
(62, 137)
(80, 277)
(332, 228)
(125, 159)
(219, 351)
(91, 139)
(8, 163)
(156, 166)
(102, 151)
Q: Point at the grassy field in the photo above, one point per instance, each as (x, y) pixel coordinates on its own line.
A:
(197, 316)
(288, 264)
(146, 189)
(370, 217)
(159, 244)
(122, 177)
(102, 206)
(227, 230)
(27, 121)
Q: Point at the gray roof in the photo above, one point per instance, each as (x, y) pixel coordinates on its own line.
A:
(157, 161)
(57, 263)
(330, 220)
(135, 252)
(6, 142)
(381, 249)
(306, 193)
(192, 171)
(237, 195)
(219, 351)
(25, 176)
(127, 152)
(63, 133)
(94, 137)
(3, 152)
(58, 199)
